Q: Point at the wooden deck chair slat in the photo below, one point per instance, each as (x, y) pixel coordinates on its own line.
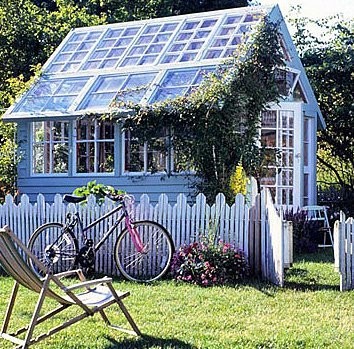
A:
(97, 295)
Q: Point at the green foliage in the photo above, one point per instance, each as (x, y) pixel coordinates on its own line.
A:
(218, 124)
(206, 264)
(98, 190)
(329, 62)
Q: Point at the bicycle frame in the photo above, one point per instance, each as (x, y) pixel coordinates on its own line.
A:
(128, 224)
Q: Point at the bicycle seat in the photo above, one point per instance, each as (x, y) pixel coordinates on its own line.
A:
(73, 199)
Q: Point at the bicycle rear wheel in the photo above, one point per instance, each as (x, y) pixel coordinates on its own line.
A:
(153, 262)
(50, 243)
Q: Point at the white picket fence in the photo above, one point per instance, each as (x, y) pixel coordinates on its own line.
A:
(258, 230)
(344, 251)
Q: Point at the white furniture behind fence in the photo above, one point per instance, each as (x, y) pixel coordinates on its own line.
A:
(344, 251)
(258, 230)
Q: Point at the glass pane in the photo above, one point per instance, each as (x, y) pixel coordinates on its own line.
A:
(85, 154)
(188, 57)
(269, 119)
(131, 31)
(59, 103)
(109, 63)
(233, 19)
(163, 94)
(220, 42)
(105, 155)
(195, 45)
(147, 60)
(213, 54)
(70, 67)
(123, 42)
(91, 65)
(130, 61)
(78, 56)
(151, 29)
(146, 39)
(55, 68)
(32, 104)
(169, 59)
(155, 49)
(101, 100)
(93, 35)
(106, 43)
(108, 84)
(113, 33)
(201, 34)
(169, 27)
(70, 47)
(60, 157)
(162, 38)
(179, 78)
(85, 46)
(46, 88)
(137, 50)
(139, 80)
(208, 23)
(190, 25)
(184, 36)
(268, 138)
(236, 40)
(99, 54)
(38, 158)
(77, 37)
(71, 87)
(62, 57)
(134, 154)
(226, 31)
(176, 47)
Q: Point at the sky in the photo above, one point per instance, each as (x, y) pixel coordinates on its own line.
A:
(315, 8)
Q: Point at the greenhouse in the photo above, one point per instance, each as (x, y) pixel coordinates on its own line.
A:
(148, 61)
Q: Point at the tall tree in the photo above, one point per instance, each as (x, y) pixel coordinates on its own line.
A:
(329, 62)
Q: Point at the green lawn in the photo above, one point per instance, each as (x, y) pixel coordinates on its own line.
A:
(309, 312)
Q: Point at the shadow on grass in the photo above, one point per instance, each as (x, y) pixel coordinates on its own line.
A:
(146, 342)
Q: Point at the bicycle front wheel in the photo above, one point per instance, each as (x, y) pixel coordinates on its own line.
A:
(151, 263)
(52, 244)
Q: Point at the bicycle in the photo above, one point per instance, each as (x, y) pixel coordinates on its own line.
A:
(142, 252)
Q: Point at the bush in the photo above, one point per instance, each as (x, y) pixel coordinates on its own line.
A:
(306, 235)
(207, 264)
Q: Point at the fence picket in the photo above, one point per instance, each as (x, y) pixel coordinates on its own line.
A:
(245, 226)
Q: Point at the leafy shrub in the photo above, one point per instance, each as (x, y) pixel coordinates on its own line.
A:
(98, 190)
(206, 264)
(306, 235)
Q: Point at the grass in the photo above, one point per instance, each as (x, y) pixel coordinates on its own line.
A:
(309, 312)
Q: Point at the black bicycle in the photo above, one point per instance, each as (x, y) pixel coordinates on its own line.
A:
(142, 252)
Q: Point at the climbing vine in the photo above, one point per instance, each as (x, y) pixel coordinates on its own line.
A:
(218, 124)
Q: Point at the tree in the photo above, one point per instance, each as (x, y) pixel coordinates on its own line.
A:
(329, 62)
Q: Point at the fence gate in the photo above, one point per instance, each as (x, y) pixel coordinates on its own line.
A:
(344, 251)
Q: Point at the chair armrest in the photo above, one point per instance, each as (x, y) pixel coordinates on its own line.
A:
(88, 284)
(78, 272)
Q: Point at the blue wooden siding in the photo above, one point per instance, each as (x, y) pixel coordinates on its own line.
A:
(49, 185)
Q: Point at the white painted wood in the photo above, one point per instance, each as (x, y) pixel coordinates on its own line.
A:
(258, 234)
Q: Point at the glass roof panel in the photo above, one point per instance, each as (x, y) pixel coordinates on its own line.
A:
(141, 61)
(52, 95)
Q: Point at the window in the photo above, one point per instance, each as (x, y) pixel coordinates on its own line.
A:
(94, 146)
(128, 88)
(50, 147)
(277, 134)
(52, 95)
(179, 83)
(145, 157)
(193, 34)
(74, 52)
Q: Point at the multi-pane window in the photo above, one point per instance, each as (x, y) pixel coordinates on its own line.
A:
(74, 52)
(149, 45)
(128, 88)
(52, 95)
(111, 48)
(189, 40)
(50, 147)
(94, 146)
(140, 156)
(179, 83)
(278, 134)
(231, 33)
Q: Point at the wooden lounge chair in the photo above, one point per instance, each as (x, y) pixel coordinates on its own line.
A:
(95, 296)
